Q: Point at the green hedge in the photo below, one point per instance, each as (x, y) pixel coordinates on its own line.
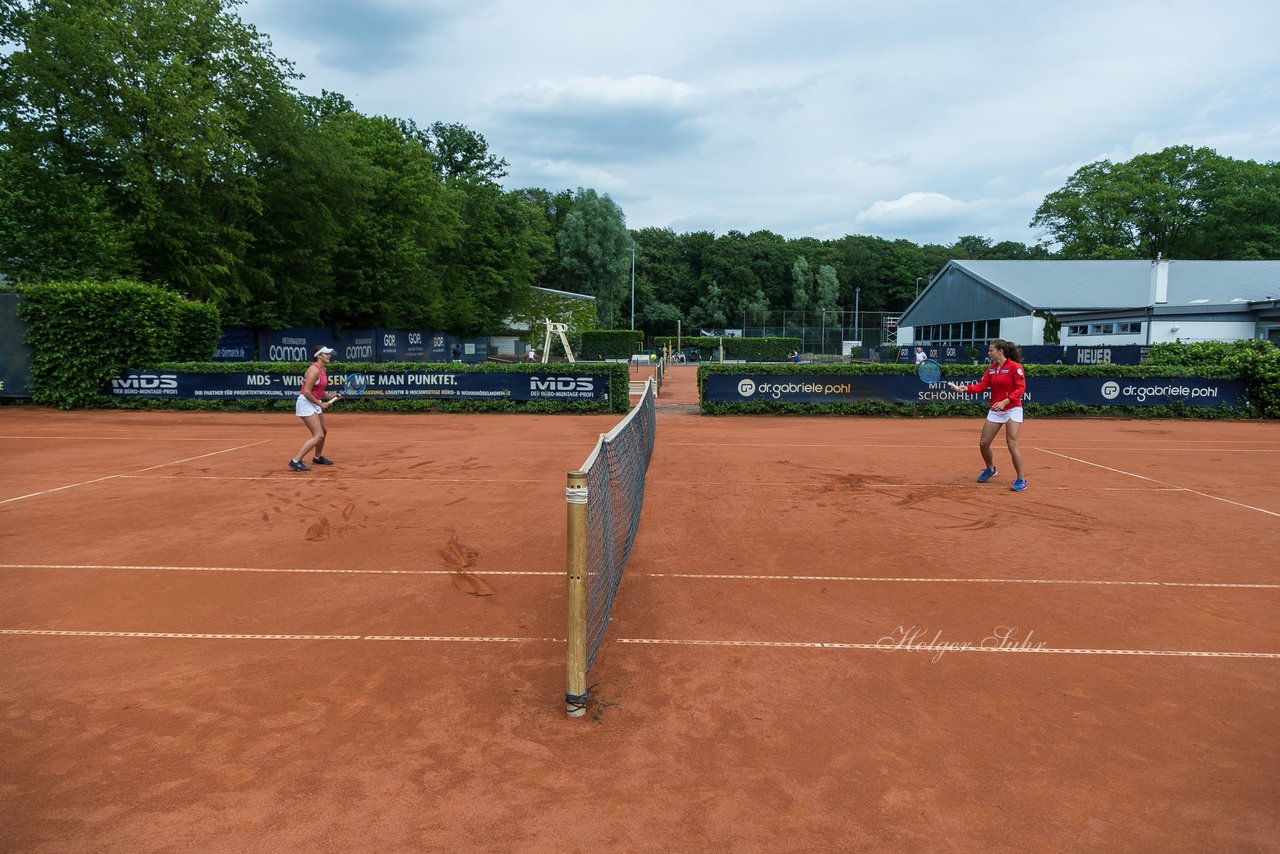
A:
(611, 343)
(618, 402)
(739, 349)
(84, 333)
(1255, 392)
(1257, 362)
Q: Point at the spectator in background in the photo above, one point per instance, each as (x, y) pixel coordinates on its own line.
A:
(531, 356)
(457, 353)
(921, 355)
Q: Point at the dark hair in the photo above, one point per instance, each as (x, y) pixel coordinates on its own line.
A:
(1009, 349)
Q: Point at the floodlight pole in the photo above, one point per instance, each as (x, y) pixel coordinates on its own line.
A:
(857, 301)
(633, 285)
(917, 287)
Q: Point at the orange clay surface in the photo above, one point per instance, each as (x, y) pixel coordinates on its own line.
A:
(829, 638)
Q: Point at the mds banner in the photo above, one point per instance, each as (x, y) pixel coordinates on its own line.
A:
(432, 385)
(1089, 391)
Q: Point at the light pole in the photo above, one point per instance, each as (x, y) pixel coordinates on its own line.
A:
(917, 287)
(857, 300)
(633, 286)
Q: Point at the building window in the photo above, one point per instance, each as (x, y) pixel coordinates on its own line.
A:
(975, 333)
(1078, 329)
(1101, 328)
(1129, 328)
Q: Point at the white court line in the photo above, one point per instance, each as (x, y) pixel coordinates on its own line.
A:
(219, 636)
(129, 438)
(909, 580)
(861, 579)
(702, 482)
(878, 647)
(294, 477)
(1161, 482)
(469, 571)
(854, 445)
(137, 471)
(873, 484)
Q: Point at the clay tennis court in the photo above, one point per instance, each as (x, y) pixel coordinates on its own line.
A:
(828, 637)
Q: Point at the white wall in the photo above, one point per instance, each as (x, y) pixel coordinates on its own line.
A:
(1023, 331)
(1164, 330)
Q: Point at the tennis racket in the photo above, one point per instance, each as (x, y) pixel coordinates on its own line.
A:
(929, 371)
(353, 385)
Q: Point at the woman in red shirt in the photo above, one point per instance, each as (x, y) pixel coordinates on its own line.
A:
(1007, 382)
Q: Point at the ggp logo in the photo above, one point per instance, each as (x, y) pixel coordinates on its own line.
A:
(1111, 390)
(746, 388)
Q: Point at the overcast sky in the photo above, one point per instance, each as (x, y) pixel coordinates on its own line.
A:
(819, 118)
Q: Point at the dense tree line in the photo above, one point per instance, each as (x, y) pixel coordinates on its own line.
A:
(162, 140)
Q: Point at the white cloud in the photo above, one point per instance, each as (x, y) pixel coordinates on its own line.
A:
(924, 119)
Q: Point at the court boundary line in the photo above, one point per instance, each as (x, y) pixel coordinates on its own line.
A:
(861, 579)
(134, 472)
(727, 483)
(1162, 482)
(833, 645)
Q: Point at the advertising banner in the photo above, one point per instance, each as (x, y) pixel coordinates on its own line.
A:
(15, 353)
(1101, 354)
(291, 345)
(1090, 391)
(401, 345)
(427, 385)
(235, 345)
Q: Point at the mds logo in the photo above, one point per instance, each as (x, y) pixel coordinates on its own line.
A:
(562, 384)
(145, 381)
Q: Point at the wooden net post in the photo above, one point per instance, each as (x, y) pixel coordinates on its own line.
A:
(575, 695)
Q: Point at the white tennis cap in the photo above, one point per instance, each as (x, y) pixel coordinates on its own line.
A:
(325, 350)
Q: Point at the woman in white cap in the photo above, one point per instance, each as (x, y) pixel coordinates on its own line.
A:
(310, 408)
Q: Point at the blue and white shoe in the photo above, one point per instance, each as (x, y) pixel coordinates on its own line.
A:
(1019, 485)
(987, 474)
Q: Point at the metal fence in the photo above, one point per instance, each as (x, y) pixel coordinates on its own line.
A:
(822, 333)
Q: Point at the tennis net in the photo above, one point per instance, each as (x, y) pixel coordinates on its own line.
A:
(604, 499)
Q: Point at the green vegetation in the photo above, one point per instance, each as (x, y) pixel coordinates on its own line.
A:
(84, 333)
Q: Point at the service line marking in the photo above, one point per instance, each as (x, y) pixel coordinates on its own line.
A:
(86, 483)
(1161, 482)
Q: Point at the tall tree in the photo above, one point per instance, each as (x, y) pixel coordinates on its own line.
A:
(595, 252)
(1181, 202)
(148, 101)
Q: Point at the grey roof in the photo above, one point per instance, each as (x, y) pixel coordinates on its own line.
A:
(1089, 285)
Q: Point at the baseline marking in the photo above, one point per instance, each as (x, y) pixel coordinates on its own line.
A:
(469, 571)
(878, 647)
(1164, 483)
(1175, 653)
(114, 476)
(862, 579)
(217, 636)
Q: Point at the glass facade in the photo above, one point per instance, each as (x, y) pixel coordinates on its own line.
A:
(970, 333)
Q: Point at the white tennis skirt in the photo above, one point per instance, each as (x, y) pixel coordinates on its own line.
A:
(304, 407)
(1013, 413)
